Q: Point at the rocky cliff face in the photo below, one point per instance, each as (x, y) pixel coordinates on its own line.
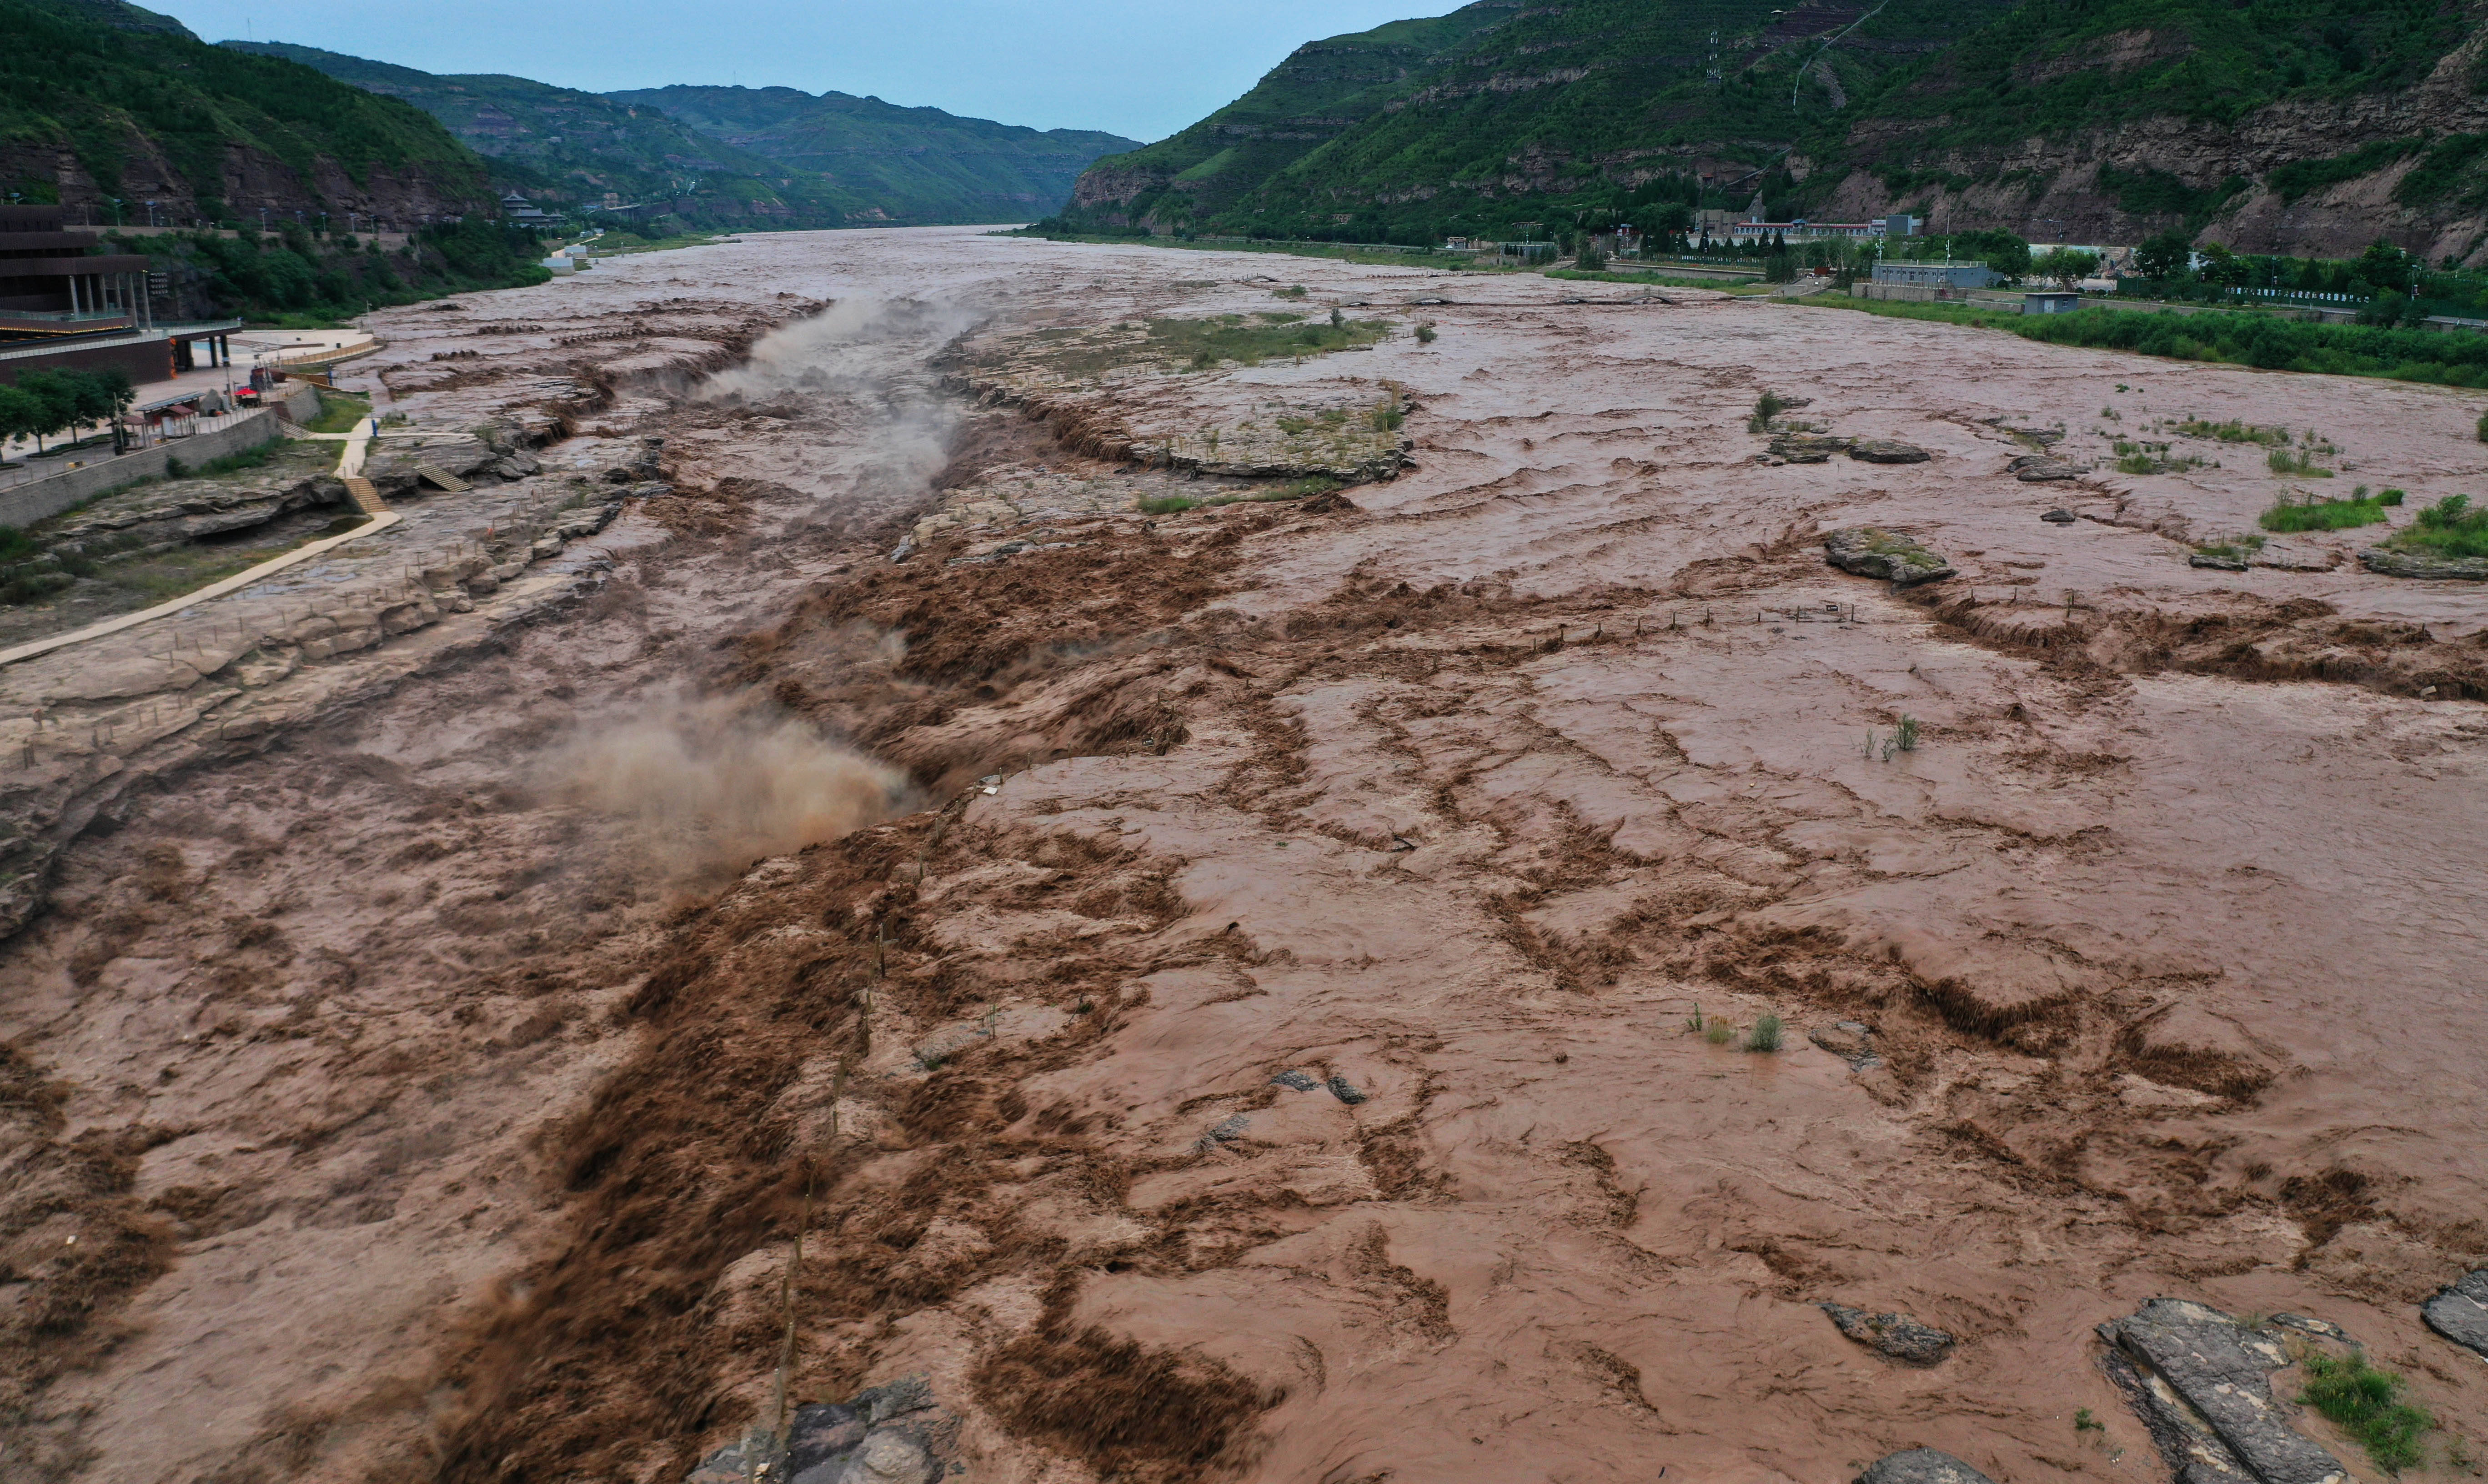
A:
(2230, 184)
(2314, 132)
(248, 181)
(1107, 189)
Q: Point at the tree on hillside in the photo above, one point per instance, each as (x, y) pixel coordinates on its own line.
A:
(55, 402)
(91, 401)
(2164, 255)
(2066, 266)
(114, 393)
(2387, 266)
(20, 415)
(2006, 255)
(2224, 266)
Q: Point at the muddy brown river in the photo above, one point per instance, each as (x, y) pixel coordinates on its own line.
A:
(1240, 987)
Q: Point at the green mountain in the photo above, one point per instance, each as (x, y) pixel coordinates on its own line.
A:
(564, 148)
(1482, 116)
(912, 164)
(2310, 126)
(101, 100)
(2273, 124)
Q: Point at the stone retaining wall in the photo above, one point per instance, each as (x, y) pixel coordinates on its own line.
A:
(44, 498)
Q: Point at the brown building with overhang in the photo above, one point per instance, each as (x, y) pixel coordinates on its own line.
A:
(65, 307)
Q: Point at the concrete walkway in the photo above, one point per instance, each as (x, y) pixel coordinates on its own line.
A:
(350, 466)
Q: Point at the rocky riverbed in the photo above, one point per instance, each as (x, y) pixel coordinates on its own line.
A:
(1517, 968)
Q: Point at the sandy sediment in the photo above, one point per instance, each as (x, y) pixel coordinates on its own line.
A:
(1219, 987)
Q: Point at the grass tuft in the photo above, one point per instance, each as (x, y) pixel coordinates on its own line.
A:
(1425, 332)
(339, 413)
(2234, 432)
(2366, 1403)
(1765, 1034)
(1718, 1032)
(2322, 514)
(2450, 528)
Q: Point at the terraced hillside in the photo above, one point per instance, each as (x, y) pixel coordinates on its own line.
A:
(2292, 125)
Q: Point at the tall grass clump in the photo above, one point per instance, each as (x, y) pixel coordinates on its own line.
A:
(1765, 407)
(2233, 431)
(2366, 1403)
(2449, 527)
(1765, 1034)
(1425, 332)
(2322, 514)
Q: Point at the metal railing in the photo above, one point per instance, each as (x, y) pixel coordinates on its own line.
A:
(140, 437)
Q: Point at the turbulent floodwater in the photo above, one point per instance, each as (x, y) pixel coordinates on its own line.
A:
(465, 1080)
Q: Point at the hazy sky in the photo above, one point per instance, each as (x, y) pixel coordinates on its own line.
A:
(1139, 68)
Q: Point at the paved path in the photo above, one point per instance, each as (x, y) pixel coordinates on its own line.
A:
(350, 466)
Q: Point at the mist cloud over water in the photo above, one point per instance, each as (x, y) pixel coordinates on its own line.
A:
(861, 359)
(712, 784)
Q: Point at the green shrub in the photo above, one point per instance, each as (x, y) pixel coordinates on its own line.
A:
(1167, 504)
(2322, 516)
(15, 543)
(2449, 528)
(2366, 1403)
(2390, 497)
(1425, 332)
(1765, 407)
(2484, 426)
(1765, 1034)
(2232, 431)
(1909, 734)
(1718, 1032)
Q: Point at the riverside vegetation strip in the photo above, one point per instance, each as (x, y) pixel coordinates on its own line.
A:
(1461, 792)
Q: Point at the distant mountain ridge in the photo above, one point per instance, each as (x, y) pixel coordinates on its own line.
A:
(2297, 126)
(917, 164)
(565, 147)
